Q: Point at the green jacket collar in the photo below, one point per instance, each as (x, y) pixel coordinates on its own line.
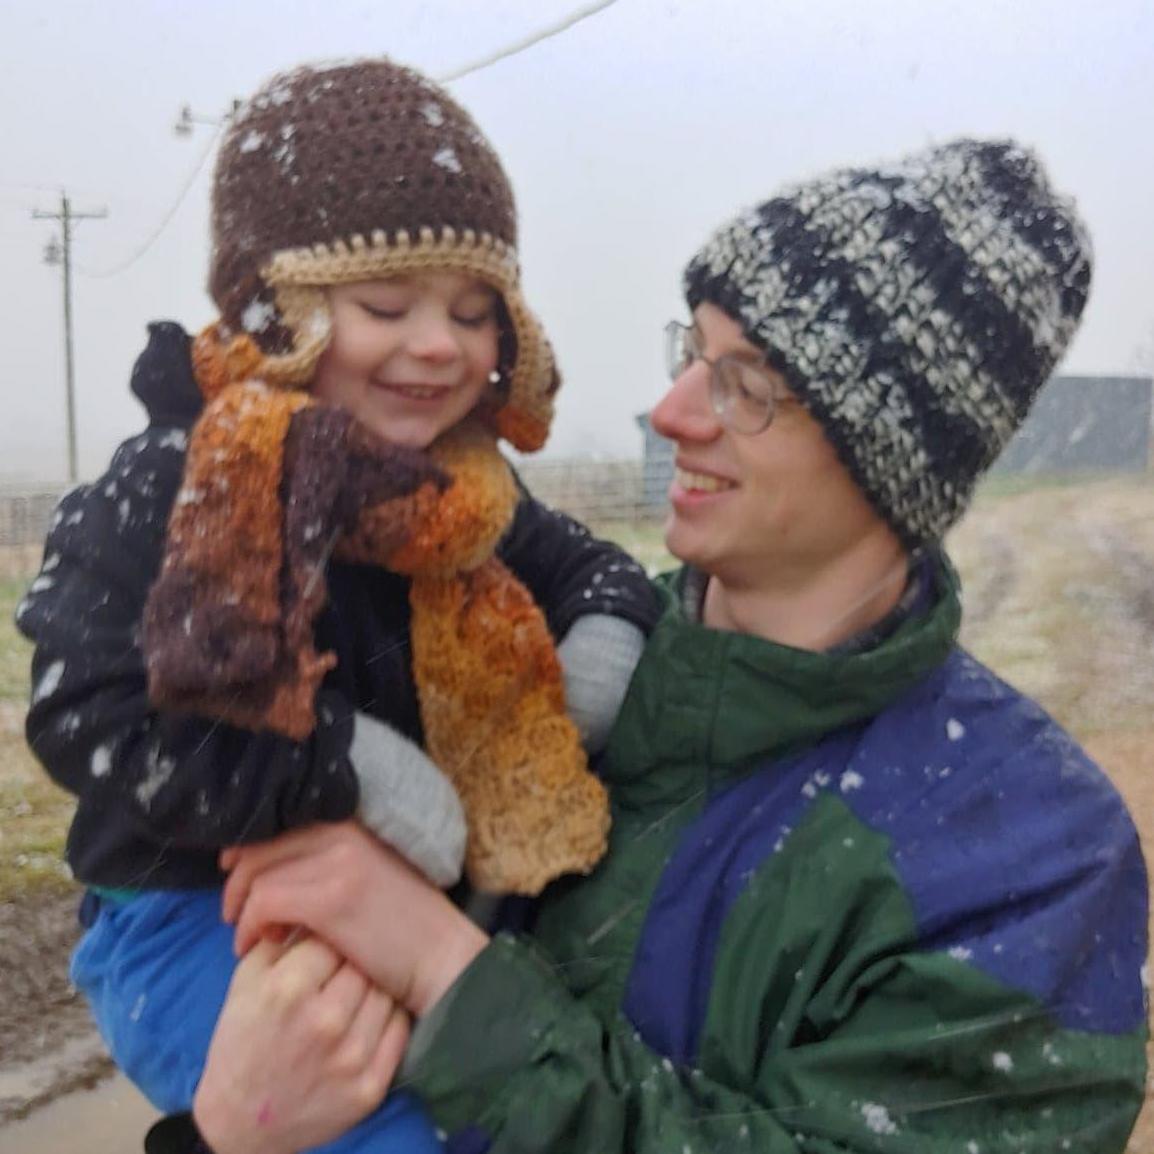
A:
(704, 698)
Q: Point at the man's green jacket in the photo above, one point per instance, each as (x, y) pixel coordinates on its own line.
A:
(867, 902)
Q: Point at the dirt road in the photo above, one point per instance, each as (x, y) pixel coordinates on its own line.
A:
(108, 1119)
(1059, 592)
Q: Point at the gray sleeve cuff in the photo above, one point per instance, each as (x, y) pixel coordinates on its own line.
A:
(407, 801)
(598, 656)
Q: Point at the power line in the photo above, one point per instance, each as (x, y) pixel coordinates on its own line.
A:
(488, 61)
(25, 205)
(28, 204)
(527, 42)
(154, 236)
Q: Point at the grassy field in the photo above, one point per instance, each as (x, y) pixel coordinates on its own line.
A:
(34, 814)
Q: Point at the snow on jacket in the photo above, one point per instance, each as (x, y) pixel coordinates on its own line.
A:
(160, 793)
(868, 902)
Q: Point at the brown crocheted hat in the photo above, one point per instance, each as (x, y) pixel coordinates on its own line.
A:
(360, 171)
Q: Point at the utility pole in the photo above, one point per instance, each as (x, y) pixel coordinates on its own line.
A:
(57, 252)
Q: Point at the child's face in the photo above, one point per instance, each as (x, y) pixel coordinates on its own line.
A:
(410, 356)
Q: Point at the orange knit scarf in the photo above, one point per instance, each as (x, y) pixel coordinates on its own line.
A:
(275, 481)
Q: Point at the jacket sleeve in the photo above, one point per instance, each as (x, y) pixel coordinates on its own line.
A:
(554, 1078)
(191, 780)
(573, 574)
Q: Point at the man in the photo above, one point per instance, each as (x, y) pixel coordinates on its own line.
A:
(861, 895)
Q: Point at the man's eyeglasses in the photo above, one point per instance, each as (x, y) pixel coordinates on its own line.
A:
(743, 395)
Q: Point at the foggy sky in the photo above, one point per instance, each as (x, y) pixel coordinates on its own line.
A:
(628, 138)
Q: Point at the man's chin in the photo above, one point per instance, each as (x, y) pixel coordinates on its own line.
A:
(680, 544)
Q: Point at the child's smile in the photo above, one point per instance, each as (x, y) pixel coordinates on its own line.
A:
(411, 356)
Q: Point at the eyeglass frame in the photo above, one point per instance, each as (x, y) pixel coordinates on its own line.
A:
(722, 391)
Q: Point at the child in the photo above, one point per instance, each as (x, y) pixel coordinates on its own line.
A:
(205, 675)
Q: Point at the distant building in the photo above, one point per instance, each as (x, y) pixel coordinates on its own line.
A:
(1078, 424)
(657, 470)
(1084, 424)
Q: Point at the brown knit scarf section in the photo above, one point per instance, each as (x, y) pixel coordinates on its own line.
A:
(274, 482)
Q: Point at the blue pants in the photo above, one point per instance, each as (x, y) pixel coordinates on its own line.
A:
(155, 970)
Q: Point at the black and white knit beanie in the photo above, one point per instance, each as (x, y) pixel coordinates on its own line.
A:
(916, 309)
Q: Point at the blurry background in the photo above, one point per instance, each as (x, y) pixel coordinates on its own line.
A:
(629, 135)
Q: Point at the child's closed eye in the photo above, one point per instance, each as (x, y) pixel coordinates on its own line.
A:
(475, 320)
(380, 313)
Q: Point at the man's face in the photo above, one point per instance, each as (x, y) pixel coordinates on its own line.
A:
(749, 510)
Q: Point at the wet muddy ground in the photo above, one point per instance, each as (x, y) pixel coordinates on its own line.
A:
(109, 1118)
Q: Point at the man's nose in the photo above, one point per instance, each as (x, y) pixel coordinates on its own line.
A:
(686, 413)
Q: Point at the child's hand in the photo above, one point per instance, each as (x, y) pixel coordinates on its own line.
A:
(304, 1048)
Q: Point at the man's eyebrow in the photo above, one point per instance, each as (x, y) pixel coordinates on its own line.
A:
(745, 353)
(750, 356)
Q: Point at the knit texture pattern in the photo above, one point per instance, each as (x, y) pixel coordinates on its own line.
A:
(916, 309)
(361, 171)
(271, 479)
(274, 482)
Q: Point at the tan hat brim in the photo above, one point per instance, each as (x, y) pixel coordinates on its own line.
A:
(298, 277)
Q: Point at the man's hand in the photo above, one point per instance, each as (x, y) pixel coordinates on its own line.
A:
(361, 897)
